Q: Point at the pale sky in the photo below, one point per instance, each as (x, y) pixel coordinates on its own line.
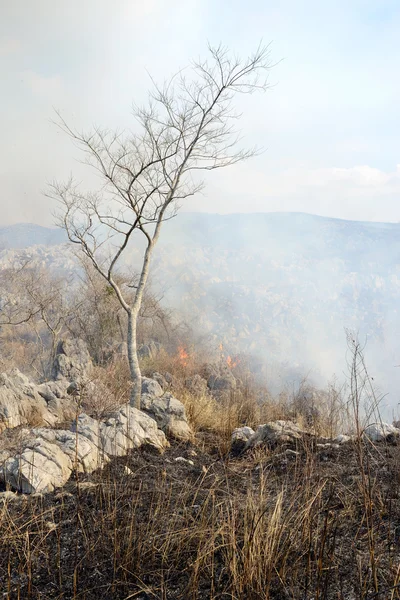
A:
(330, 125)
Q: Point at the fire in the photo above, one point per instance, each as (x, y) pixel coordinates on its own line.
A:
(183, 356)
(232, 362)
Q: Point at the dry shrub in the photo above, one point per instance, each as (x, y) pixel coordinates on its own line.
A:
(108, 389)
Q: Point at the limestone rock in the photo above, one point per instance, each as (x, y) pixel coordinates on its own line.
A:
(20, 402)
(49, 456)
(169, 413)
(151, 387)
(41, 467)
(274, 432)
(240, 437)
(72, 360)
(380, 432)
(125, 429)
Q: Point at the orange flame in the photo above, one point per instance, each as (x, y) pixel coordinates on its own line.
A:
(232, 363)
(183, 356)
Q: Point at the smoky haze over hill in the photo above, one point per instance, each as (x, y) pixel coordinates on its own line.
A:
(282, 287)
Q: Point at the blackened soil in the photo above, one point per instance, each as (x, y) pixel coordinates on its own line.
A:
(299, 522)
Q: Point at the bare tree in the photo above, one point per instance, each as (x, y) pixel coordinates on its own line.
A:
(188, 126)
(35, 301)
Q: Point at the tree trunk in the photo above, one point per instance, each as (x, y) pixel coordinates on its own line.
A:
(136, 375)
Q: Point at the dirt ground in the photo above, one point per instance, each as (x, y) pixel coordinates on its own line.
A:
(302, 521)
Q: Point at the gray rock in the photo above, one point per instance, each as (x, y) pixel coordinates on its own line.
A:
(239, 439)
(21, 403)
(274, 432)
(72, 360)
(151, 387)
(49, 456)
(380, 432)
(169, 413)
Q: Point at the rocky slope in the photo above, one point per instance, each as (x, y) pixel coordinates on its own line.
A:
(280, 286)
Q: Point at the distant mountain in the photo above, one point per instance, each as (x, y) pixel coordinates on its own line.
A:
(280, 286)
(24, 235)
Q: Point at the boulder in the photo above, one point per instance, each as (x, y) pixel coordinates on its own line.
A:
(49, 456)
(169, 413)
(40, 467)
(125, 429)
(381, 432)
(21, 403)
(275, 432)
(240, 438)
(151, 387)
(149, 350)
(58, 399)
(72, 360)
(160, 380)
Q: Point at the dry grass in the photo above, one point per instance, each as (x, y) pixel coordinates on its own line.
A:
(264, 527)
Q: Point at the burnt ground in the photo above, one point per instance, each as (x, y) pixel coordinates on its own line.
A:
(292, 522)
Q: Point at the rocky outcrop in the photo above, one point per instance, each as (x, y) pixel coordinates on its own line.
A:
(49, 456)
(151, 387)
(72, 360)
(277, 432)
(168, 412)
(24, 403)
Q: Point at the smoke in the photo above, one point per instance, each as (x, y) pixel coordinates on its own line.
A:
(279, 288)
(284, 288)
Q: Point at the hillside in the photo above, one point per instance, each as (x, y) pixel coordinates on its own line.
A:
(281, 286)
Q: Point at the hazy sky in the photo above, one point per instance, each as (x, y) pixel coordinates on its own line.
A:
(330, 125)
